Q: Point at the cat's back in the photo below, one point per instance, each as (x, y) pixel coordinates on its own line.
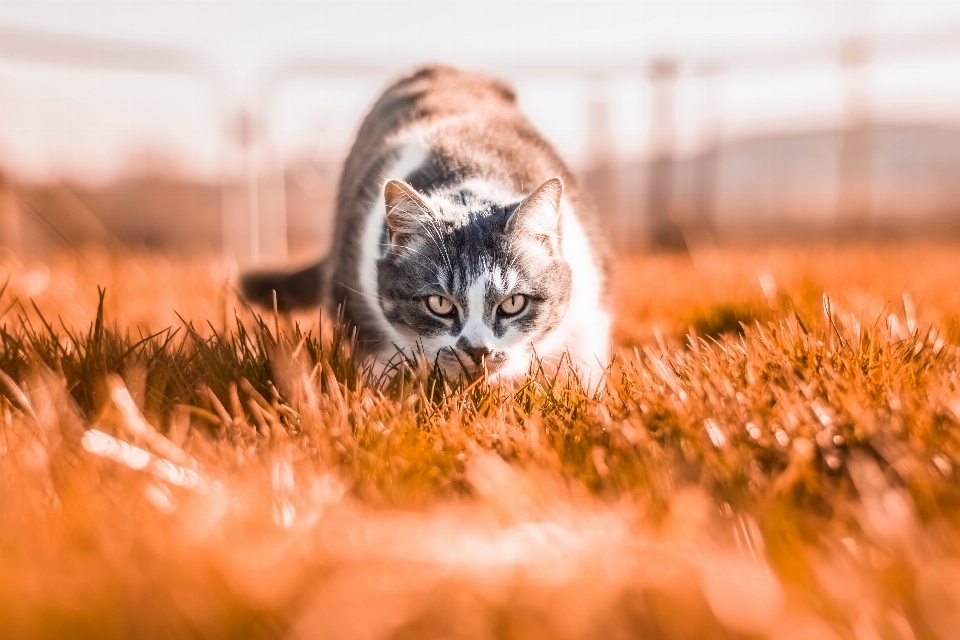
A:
(450, 111)
(431, 94)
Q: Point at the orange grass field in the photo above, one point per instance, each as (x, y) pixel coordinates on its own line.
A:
(772, 455)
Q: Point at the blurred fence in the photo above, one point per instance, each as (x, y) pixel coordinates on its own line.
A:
(865, 172)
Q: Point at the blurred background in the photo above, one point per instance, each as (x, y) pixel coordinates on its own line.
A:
(220, 127)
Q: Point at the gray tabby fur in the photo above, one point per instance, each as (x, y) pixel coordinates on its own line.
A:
(450, 191)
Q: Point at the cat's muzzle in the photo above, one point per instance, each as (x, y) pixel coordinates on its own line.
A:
(472, 361)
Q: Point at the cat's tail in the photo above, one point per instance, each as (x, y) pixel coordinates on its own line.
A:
(294, 289)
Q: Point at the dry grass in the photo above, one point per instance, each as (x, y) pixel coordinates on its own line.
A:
(173, 465)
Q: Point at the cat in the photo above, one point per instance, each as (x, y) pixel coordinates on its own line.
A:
(460, 238)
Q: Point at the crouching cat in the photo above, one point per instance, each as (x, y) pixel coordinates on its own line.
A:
(460, 238)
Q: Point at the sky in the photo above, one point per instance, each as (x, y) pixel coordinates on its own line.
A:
(93, 124)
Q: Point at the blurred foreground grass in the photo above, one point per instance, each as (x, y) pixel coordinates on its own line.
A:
(172, 465)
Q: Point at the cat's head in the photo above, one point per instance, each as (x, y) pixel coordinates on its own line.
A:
(472, 283)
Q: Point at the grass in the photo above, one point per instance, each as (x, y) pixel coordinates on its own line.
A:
(773, 455)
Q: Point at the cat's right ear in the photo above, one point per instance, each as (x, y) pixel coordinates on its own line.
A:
(407, 214)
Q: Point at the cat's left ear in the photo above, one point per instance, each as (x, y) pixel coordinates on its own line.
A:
(538, 217)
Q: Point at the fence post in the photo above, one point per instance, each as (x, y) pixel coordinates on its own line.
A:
(664, 233)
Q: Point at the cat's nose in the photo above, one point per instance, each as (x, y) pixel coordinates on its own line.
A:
(477, 353)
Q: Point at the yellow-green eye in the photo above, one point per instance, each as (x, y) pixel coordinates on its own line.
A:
(513, 305)
(440, 305)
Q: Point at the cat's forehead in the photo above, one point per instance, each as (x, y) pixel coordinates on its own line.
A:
(490, 276)
(474, 200)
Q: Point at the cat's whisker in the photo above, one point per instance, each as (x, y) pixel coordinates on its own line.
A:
(432, 264)
(412, 250)
(437, 240)
(441, 245)
(357, 291)
(427, 286)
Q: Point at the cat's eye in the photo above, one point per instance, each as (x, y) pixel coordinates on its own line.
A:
(513, 305)
(440, 305)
